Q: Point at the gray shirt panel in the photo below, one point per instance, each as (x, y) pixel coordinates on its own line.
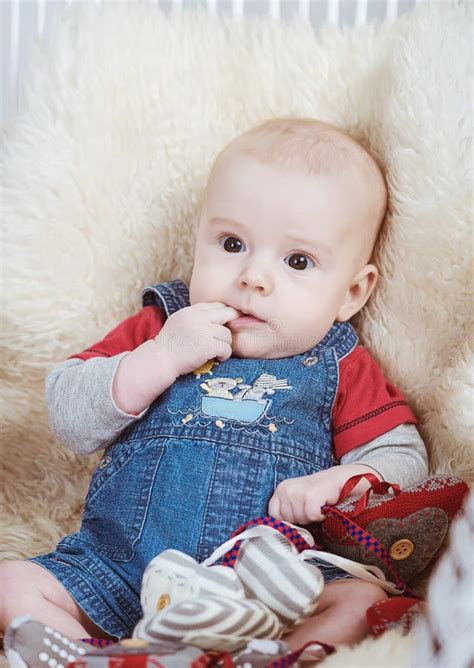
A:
(83, 415)
(81, 411)
(399, 455)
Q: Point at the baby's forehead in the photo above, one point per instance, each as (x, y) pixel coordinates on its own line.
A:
(241, 176)
(342, 163)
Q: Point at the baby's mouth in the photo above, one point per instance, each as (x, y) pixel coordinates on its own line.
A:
(247, 314)
(245, 320)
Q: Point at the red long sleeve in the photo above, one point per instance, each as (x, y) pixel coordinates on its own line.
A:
(128, 335)
(367, 405)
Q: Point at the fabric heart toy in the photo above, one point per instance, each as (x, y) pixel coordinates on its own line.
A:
(401, 533)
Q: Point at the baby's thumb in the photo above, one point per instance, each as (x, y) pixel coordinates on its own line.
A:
(274, 507)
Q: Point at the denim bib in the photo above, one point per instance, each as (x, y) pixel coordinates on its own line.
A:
(210, 451)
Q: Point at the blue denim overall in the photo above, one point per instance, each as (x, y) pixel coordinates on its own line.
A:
(204, 459)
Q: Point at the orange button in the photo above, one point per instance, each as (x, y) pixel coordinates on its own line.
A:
(401, 549)
(163, 601)
(133, 642)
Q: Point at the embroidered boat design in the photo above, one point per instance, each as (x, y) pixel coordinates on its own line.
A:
(247, 404)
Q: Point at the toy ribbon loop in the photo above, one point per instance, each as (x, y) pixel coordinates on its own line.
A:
(377, 486)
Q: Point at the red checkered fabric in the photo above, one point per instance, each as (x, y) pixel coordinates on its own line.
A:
(285, 529)
(98, 642)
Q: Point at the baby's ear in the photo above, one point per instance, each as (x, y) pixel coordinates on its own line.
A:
(359, 291)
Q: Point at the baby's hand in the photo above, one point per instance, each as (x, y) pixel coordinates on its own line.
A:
(195, 334)
(299, 500)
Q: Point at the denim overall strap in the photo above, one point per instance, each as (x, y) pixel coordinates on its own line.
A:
(342, 338)
(170, 296)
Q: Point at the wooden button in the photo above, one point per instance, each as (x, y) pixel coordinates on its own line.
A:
(163, 601)
(133, 642)
(401, 549)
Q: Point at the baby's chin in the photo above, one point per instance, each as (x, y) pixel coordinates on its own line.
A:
(249, 344)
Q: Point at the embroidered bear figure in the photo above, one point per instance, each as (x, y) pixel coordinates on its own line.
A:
(220, 387)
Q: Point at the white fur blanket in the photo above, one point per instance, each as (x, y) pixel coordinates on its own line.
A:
(124, 112)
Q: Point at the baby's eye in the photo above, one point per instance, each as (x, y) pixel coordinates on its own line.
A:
(299, 261)
(231, 244)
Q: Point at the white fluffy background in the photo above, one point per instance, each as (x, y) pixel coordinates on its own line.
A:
(124, 112)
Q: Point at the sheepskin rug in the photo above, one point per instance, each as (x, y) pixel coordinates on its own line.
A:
(124, 109)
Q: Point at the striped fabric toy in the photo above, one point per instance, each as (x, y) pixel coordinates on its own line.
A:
(262, 589)
(273, 572)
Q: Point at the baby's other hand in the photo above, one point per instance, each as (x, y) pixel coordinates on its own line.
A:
(299, 500)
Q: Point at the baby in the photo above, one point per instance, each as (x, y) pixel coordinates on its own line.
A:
(242, 395)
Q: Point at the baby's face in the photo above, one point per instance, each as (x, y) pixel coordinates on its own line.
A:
(282, 246)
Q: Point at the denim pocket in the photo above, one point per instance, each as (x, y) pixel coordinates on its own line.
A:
(119, 493)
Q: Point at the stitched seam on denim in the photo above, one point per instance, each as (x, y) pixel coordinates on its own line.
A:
(333, 449)
(147, 505)
(166, 434)
(336, 337)
(205, 518)
(104, 474)
(335, 393)
(331, 336)
(328, 360)
(369, 416)
(351, 348)
(340, 341)
(259, 429)
(229, 444)
(345, 343)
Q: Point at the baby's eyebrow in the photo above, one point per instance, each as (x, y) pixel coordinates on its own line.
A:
(226, 220)
(305, 241)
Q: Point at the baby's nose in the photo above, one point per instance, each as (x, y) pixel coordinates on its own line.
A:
(256, 276)
(258, 283)
(254, 286)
